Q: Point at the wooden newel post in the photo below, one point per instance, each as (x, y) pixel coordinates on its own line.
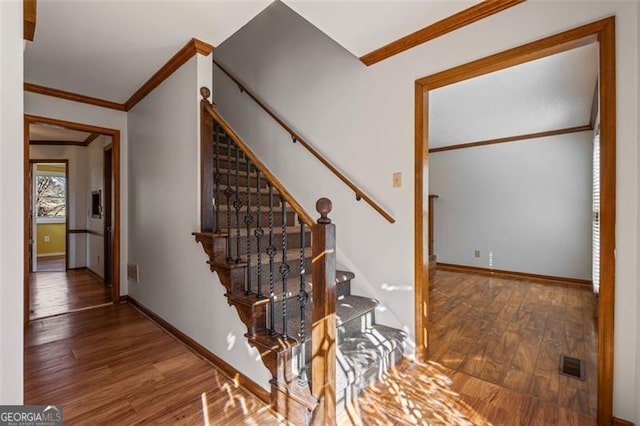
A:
(206, 162)
(324, 315)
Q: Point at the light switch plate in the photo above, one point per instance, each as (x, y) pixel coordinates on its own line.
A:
(397, 180)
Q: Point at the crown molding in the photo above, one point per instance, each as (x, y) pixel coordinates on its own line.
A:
(193, 47)
(440, 28)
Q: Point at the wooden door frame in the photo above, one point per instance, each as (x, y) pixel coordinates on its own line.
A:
(115, 140)
(602, 32)
(107, 160)
(65, 161)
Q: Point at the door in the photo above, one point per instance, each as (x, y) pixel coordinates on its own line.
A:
(108, 212)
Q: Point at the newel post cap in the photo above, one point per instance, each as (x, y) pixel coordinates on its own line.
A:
(324, 207)
(205, 93)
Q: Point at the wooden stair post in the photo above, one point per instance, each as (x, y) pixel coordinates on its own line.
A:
(324, 316)
(206, 165)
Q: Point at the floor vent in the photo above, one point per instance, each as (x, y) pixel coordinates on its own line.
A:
(572, 367)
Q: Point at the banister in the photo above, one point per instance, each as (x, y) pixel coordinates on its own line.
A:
(306, 217)
(360, 194)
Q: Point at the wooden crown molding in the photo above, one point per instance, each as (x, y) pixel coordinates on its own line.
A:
(70, 96)
(189, 50)
(193, 47)
(440, 28)
(516, 138)
(29, 19)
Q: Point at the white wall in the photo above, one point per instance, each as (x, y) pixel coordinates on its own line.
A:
(175, 280)
(11, 203)
(45, 106)
(526, 202)
(363, 120)
(95, 182)
(77, 214)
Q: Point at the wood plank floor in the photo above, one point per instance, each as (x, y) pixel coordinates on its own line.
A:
(51, 263)
(511, 333)
(495, 346)
(112, 365)
(54, 293)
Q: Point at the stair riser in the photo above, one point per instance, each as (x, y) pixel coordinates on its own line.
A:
(290, 217)
(294, 272)
(243, 181)
(293, 242)
(264, 200)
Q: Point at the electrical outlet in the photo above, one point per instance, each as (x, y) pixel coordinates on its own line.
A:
(476, 253)
(133, 273)
(397, 180)
(47, 239)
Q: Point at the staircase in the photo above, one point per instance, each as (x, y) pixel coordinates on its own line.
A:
(259, 242)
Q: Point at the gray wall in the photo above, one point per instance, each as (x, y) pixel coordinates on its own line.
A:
(526, 202)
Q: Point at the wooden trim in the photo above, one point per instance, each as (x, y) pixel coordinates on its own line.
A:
(306, 217)
(29, 9)
(70, 96)
(360, 194)
(432, 198)
(193, 47)
(584, 284)
(189, 50)
(517, 138)
(621, 422)
(227, 369)
(594, 108)
(56, 142)
(66, 201)
(206, 165)
(92, 137)
(602, 31)
(115, 135)
(85, 231)
(440, 28)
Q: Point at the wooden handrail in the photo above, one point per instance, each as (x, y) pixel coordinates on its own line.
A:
(306, 217)
(360, 194)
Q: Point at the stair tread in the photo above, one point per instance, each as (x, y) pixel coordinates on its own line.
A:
(351, 307)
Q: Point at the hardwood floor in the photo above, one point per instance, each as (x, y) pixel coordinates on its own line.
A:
(112, 365)
(54, 293)
(511, 333)
(495, 346)
(51, 263)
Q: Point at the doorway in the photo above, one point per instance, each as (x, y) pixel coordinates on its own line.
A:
(48, 249)
(601, 32)
(90, 275)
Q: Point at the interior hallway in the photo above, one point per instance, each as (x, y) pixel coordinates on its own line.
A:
(54, 293)
(51, 263)
(112, 365)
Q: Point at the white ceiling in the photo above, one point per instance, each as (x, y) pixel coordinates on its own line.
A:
(551, 93)
(46, 132)
(362, 26)
(109, 48)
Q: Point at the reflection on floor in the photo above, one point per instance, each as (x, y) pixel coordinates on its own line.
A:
(51, 263)
(112, 365)
(54, 293)
(509, 334)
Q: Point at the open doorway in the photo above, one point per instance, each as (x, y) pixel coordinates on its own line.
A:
(601, 33)
(71, 182)
(50, 185)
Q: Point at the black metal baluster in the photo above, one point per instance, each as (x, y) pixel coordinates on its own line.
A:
(217, 178)
(302, 298)
(271, 251)
(248, 219)
(259, 234)
(284, 269)
(228, 192)
(237, 204)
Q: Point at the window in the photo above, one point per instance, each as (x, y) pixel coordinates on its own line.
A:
(50, 197)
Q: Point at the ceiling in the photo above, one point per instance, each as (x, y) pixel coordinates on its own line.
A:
(552, 93)
(48, 132)
(108, 48)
